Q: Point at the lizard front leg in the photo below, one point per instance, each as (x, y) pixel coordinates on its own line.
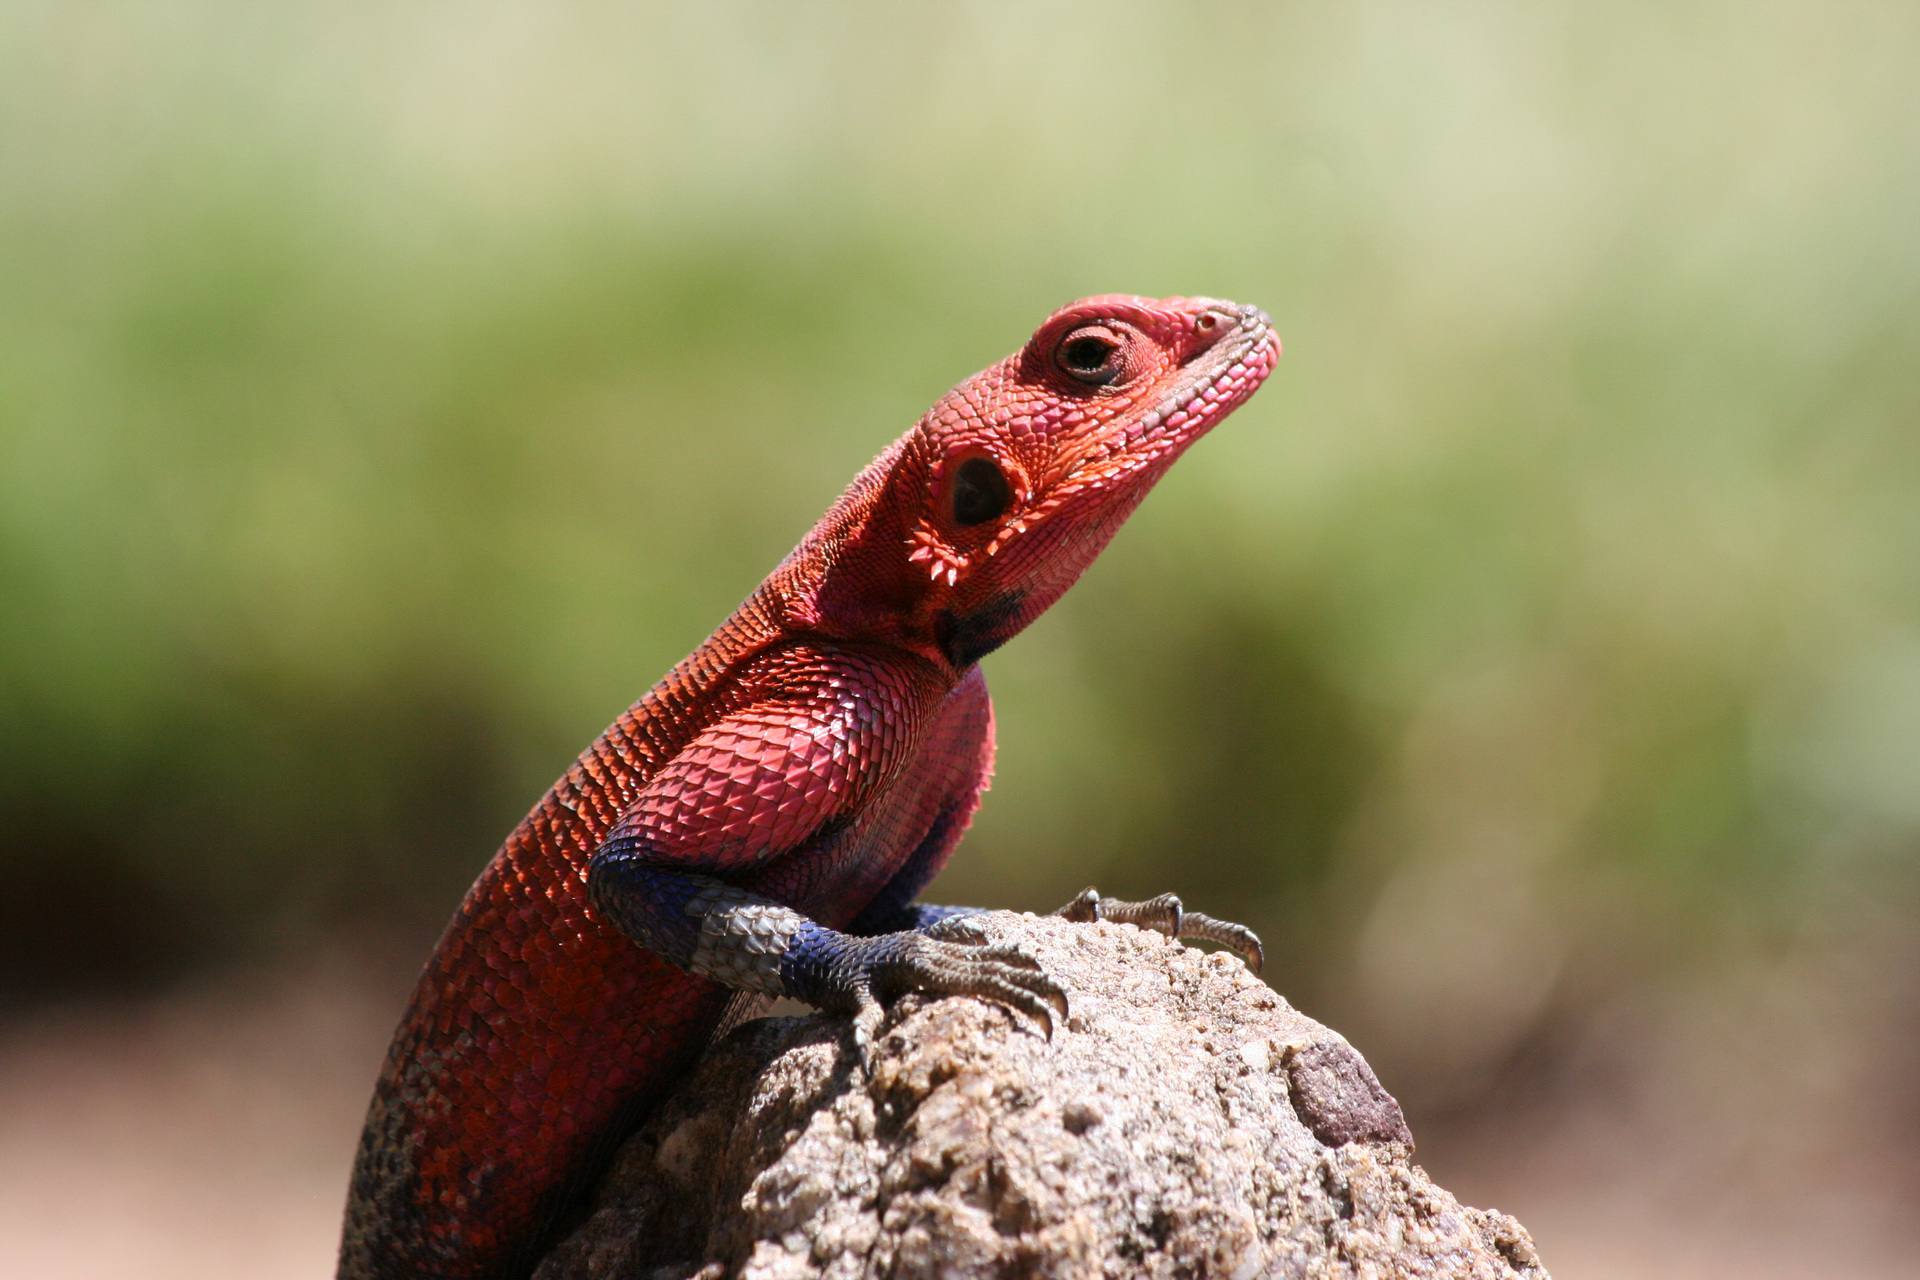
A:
(749, 943)
(767, 810)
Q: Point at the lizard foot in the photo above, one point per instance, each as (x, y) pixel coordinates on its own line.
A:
(869, 973)
(1165, 914)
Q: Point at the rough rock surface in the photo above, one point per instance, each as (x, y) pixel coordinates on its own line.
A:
(1184, 1121)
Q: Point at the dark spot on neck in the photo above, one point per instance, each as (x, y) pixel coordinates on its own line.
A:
(968, 637)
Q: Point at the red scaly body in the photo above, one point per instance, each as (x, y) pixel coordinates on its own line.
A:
(805, 771)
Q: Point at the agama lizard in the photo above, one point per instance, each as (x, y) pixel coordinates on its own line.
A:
(762, 820)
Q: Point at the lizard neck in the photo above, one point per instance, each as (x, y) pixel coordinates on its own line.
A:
(850, 580)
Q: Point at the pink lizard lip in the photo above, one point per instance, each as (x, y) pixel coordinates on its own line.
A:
(1226, 374)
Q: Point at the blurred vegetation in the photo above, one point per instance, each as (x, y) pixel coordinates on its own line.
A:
(389, 394)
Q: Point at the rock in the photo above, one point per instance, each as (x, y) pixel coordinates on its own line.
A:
(1184, 1121)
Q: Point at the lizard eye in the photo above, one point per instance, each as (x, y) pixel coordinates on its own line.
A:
(979, 492)
(1090, 355)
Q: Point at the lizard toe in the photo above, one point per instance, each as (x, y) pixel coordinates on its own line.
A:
(1007, 953)
(964, 929)
(1236, 938)
(1165, 914)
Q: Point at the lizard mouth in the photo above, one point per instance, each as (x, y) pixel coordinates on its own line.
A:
(1223, 376)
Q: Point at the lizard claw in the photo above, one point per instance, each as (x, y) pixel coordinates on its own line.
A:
(867, 1015)
(1165, 914)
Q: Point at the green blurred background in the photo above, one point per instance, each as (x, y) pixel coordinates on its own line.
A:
(390, 393)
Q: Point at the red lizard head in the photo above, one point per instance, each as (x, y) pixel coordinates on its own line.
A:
(1007, 489)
